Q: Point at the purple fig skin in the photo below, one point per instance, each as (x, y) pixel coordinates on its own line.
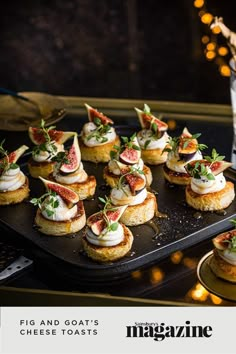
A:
(186, 157)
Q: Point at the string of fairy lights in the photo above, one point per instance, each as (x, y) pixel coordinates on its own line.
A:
(213, 50)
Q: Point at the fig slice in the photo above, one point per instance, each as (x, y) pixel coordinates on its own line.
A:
(221, 241)
(68, 195)
(216, 167)
(136, 182)
(186, 144)
(130, 156)
(97, 221)
(93, 113)
(37, 135)
(15, 155)
(73, 156)
(147, 119)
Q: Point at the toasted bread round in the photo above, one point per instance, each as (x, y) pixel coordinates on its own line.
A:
(211, 201)
(154, 156)
(179, 178)
(61, 228)
(112, 180)
(140, 213)
(42, 169)
(84, 189)
(17, 196)
(104, 254)
(99, 153)
(221, 268)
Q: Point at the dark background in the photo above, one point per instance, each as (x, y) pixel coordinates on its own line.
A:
(111, 48)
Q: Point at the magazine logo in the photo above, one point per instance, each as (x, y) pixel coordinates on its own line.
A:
(161, 331)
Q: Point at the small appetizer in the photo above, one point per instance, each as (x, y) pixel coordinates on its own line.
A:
(208, 189)
(48, 142)
(69, 171)
(131, 190)
(122, 158)
(153, 137)
(97, 137)
(14, 185)
(60, 212)
(106, 239)
(181, 150)
(223, 261)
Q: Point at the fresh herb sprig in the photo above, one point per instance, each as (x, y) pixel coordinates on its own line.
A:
(110, 226)
(61, 158)
(214, 157)
(199, 170)
(129, 142)
(126, 143)
(153, 126)
(100, 131)
(114, 154)
(132, 170)
(49, 144)
(51, 205)
(5, 164)
(174, 143)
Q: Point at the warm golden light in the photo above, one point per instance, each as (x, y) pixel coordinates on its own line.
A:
(137, 274)
(176, 257)
(190, 262)
(211, 46)
(216, 30)
(210, 55)
(205, 39)
(157, 275)
(199, 293)
(223, 51)
(198, 3)
(224, 70)
(207, 18)
(171, 124)
(215, 299)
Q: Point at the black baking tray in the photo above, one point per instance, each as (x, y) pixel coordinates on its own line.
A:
(182, 228)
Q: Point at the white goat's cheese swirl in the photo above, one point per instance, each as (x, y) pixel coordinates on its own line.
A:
(89, 128)
(47, 155)
(204, 185)
(228, 256)
(175, 164)
(123, 196)
(61, 213)
(147, 135)
(107, 238)
(78, 176)
(12, 179)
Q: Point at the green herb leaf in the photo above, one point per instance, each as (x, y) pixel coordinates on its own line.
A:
(147, 142)
(97, 121)
(214, 157)
(102, 200)
(146, 109)
(114, 226)
(14, 166)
